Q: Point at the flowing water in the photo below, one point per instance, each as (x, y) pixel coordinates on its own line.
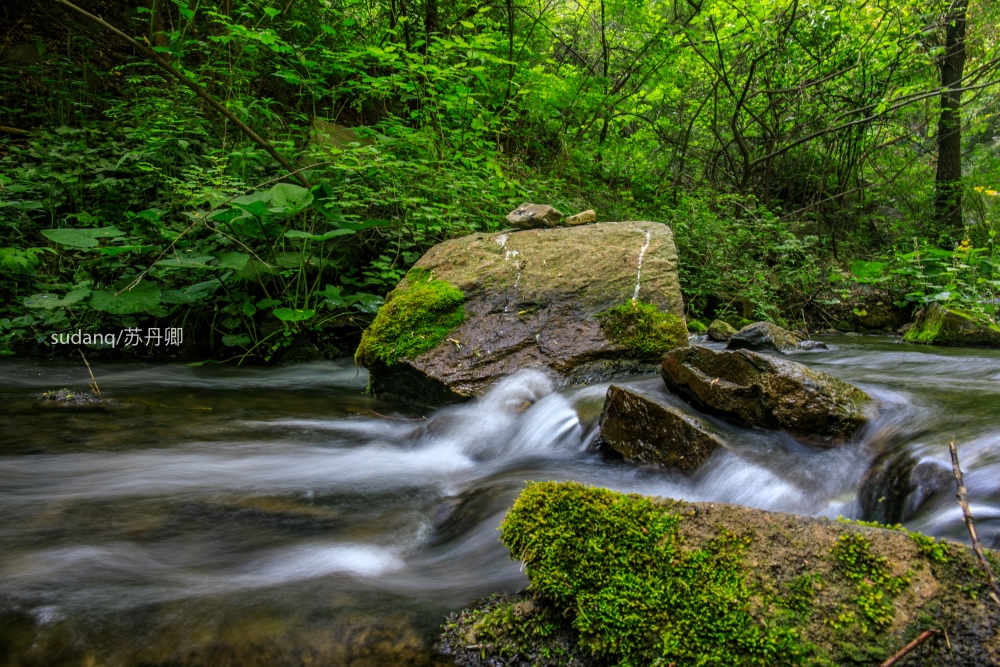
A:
(243, 516)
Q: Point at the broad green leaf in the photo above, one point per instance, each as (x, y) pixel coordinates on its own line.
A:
(267, 303)
(292, 315)
(50, 301)
(186, 261)
(242, 340)
(115, 250)
(81, 238)
(233, 260)
(122, 300)
(296, 234)
(867, 270)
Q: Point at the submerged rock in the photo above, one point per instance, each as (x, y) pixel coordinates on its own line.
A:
(644, 430)
(530, 216)
(66, 398)
(587, 303)
(896, 485)
(939, 325)
(628, 579)
(721, 331)
(768, 392)
(763, 336)
(582, 218)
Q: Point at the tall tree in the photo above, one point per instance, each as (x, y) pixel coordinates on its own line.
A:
(948, 181)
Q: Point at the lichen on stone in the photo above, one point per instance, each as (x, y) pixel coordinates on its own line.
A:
(643, 329)
(417, 315)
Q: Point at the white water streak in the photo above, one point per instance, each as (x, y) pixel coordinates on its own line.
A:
(638, 275)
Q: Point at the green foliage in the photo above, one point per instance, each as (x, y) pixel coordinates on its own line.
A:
(416, 316)
(643, 329)
(637, 596)
(932, 549)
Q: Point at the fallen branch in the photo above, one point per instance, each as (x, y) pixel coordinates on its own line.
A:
(198, 90)
(963, 501)
(13, 130)
(94, 389)
(921, 638)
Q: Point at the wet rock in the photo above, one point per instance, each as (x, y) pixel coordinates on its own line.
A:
(810, 345)
(65, 398)
(582, 218)
(644, 430)
(763, 336)
(896, 485)
(939, 325)
(721, 331)
(560, 300)
(804, 582)
(530, 216)
(768, 392)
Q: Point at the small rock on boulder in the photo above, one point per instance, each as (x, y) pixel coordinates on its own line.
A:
(645, 430)
(764, 391)
(721, 331)
(583, 218)
(939, 325)
(763, 336)
(897, 485)
(531, 216)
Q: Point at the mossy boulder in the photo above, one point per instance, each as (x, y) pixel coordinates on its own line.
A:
(587, 304)
(765, 391)
(940, 325)
(630, 580)
(762, 336)
(721, 331)
(645, 430)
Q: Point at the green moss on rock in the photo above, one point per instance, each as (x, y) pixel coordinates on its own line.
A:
(416, 316)
(696, 327)
(643, 329)
(629, 580)
(938, 325)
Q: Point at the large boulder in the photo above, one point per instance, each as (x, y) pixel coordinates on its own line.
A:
(648, 431)
(762, 336)
(939, 325)
(630, 580)
(588, 303)
(768, 392)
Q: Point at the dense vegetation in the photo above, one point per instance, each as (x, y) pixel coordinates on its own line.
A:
(812, 157)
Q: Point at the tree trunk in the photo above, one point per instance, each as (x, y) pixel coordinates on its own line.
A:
(948, 181)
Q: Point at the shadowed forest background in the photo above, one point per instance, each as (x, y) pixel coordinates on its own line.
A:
(822, 164)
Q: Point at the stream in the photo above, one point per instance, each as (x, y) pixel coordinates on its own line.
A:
(279, 516)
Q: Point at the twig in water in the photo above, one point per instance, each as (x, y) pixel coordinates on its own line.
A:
(921, 638)
(93, 381)
(963, 501)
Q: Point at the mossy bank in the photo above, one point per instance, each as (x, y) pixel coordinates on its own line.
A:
(630, 580)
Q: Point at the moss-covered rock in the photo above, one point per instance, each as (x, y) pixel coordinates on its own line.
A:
(643, 329)
(630, 580)
(697, 327)
(532, 299)
(765, 391)
(721, 331)
(416, 316)
(763, 336)
(939, 325)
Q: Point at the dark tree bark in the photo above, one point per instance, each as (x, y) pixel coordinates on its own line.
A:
(948, 181)
(430, 21)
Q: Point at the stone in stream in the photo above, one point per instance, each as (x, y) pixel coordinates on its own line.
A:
(768, 392)
(940, 325)
(721, 331)
(896, 485)
(584, 304)
(629, 579)
(647, 431)
(530, 216)
(762, 336)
